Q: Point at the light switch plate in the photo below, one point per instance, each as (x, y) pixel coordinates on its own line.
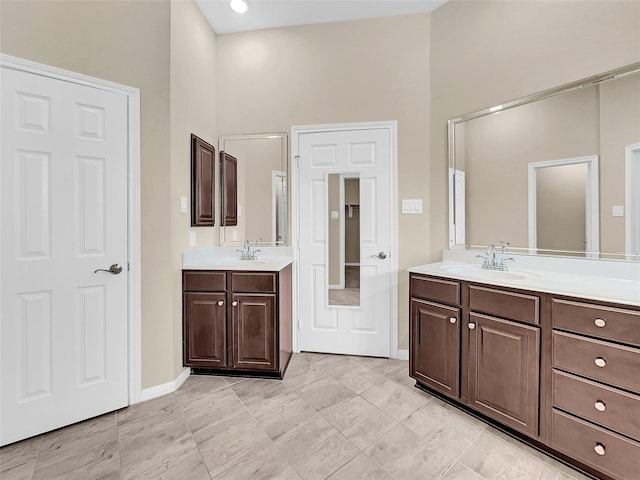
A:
(617, 211)
(192, 238)
(335, 215)
(183, 204)
(411, 206)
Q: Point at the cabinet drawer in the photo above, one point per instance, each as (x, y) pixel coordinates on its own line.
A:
(204, 281)
(444, 291)
(511, 305)
(619, 457)
(254, 282)
(606, 406)
(609, 323)
(607, 362)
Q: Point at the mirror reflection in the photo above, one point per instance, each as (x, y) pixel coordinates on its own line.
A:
(259, 189)
(569, 209)
(343, 243)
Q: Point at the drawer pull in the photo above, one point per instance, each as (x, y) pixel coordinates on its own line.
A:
(600, 406)
(452, 320)
(600, 362)
(599, 449)
(220, 303)
(600, 322)
(472, 326)
(234, 303)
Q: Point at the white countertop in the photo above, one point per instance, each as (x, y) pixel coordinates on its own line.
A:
(607, 289)
(226, 258)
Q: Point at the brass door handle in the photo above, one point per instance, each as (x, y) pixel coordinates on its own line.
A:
(114, 269)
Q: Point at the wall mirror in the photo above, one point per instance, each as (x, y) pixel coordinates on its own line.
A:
(343, 242)
(258, 208)
(556, 172)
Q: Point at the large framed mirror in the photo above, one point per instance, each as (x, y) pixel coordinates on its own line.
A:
(557, 172)
(260, 212)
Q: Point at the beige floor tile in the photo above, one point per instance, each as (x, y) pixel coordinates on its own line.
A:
(292, 412)
(359, 421)
(405, 380)
(406, 456)
(384, 366)
(488, 453)
(192, 467)
(441, 428)
(459, 472)
(266, 464)
(326, 457)
(211, 408)
(256, 393)
(572, 473)
(295, 444)
(526, 466)
(360, 468)
(324, 394)
(152, 411)
(357, 377)
(395, 400)
(196, 385)
(17, 461)
(99, 462)
(231, 442)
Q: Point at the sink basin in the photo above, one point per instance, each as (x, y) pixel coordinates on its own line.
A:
(478, 272)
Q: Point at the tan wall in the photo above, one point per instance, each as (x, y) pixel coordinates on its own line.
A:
(499, 149)
(619, 128)
(484, 53)
(193, 77)
(352, 223)
(358, 71)
(131, 43)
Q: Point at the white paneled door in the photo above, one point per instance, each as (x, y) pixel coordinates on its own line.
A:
(64, 215)
(365, 154)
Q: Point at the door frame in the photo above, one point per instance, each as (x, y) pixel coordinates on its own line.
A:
(632, 200)
(592, 199)
(296, 131)
(134, 306)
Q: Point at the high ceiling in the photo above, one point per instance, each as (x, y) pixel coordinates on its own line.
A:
(280, 13)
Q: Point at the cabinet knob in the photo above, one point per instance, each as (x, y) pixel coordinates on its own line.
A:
(600, 406)
(472, 326)
(600, 322)
(599, 449)
(600, 362)
(220, 303)
(452, 320)
(234, 303)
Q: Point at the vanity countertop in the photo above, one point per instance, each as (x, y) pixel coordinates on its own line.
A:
(272, 264)
(586, 286)
(272, 259)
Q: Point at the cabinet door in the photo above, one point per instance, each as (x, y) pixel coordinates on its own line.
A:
(229, 187)
(435, 346)
(504, 371)
(254, 332)
(205, 330)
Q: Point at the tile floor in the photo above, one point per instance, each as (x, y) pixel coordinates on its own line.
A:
(336, 417)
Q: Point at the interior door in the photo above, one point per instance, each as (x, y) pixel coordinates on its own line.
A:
(64, 215)
(363, 329)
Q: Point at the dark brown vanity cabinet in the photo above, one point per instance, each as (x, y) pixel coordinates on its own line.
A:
(435, 334)
(229, 189)
(237, 322)
(472, 344)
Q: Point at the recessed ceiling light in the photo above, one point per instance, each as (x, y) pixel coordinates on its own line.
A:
(239, 6)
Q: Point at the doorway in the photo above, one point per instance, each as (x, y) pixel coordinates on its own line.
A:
(70, 253)
(324, 155)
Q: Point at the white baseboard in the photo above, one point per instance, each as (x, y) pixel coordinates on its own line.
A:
(403, 354)
(335, 287)
(352, 264)
(165, 388)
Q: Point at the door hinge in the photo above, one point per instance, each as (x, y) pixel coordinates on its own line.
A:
(128, 266)
(297, 157)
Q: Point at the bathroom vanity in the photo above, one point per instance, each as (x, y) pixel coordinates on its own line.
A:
(237, 316)
(551, 358)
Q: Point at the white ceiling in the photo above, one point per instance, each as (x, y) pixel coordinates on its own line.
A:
(280, 13)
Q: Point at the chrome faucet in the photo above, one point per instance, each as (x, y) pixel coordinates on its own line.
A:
(490, 260)
(246, 253)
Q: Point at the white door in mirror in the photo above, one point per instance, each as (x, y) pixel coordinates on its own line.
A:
(355, 330)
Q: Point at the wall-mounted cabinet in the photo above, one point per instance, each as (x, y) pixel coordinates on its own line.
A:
(202, 183)
(229, 189)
